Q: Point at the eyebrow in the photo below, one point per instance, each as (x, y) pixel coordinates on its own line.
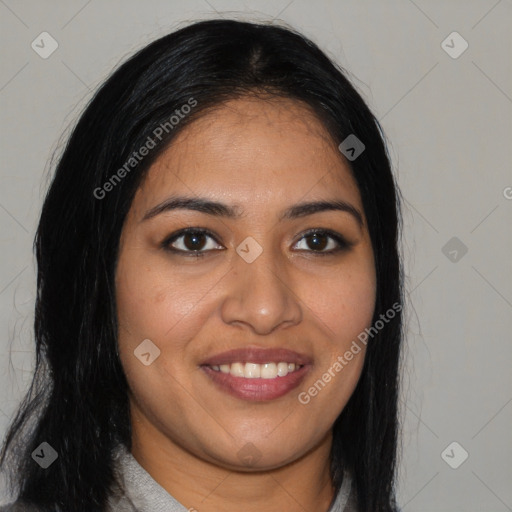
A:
(217, 209)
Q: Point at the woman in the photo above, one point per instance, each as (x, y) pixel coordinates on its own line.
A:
(218, 317)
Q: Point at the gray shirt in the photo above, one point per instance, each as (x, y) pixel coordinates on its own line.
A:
(137, 491)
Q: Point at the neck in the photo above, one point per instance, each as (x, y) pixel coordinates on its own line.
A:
(304, 484)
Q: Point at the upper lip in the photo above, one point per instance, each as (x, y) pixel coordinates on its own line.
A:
(258, 355)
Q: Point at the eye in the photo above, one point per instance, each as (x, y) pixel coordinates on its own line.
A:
(322, 241)
(194, 241)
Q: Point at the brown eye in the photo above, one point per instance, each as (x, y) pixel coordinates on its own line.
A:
(317, 241)
(322, 242)
(195, 242)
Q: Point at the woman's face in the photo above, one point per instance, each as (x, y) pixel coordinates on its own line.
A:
(260, 302)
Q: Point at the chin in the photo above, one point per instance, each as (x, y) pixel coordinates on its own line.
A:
(260, 454)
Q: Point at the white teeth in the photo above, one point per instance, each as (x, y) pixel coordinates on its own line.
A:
(256, 371)
(237, 370)
(269, 371)
(252, 371)
(282, 369)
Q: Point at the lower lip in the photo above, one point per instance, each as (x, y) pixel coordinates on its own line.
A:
(256, 390)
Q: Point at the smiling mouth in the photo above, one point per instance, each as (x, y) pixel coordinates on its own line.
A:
(256, 370)
(259, 382)
(257, 374)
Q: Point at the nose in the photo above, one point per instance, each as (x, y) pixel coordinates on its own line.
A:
(261, 296)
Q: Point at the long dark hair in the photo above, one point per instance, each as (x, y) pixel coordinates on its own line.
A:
(78, 398)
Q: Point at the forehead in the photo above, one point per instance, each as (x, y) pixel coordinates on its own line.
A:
(251, 147)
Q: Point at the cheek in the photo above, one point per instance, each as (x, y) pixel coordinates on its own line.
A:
(344, 303)
(144, 293)
(156, 303)
(343, 307)
(355, 307)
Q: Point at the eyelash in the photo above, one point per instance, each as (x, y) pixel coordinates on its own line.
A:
(343, 244)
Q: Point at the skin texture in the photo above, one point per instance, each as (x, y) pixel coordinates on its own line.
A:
(263, 155)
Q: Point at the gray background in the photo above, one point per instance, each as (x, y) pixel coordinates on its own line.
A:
(449, 124)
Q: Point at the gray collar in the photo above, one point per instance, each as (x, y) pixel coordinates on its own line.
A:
(138, 492)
